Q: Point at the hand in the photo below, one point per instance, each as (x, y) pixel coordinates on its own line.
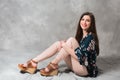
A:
(62, 42)
(65, 45)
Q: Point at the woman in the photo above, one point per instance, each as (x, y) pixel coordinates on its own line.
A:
(79, 53)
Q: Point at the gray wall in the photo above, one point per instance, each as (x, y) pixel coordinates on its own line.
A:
(33, 25)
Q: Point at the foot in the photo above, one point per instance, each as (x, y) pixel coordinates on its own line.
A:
(30, 66)
(50, 70)
(30, 62)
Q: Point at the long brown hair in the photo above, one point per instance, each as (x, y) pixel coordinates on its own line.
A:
(79, 33)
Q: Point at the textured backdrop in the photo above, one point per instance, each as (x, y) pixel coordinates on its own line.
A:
(35, 24)
(27, 27)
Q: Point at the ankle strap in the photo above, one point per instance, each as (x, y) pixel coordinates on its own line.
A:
(53, 65)
(34, 61)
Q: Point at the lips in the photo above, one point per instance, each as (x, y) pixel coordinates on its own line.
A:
(84, 25)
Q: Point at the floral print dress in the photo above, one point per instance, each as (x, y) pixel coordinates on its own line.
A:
(86, 53)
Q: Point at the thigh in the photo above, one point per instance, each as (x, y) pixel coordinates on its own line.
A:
(72, 42)
(78, 68)
(75, 66)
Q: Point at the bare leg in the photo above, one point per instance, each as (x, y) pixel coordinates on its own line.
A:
(71, 61)
(66, 55)
(61, 55)
(53, 49)
(70, 58)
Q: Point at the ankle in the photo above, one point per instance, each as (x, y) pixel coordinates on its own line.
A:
(54, 65)
(54, 62)
(34, 61)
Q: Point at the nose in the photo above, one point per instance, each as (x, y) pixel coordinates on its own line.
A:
(84, 22)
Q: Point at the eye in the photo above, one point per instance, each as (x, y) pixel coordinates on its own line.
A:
(82, 19)
(87, 20)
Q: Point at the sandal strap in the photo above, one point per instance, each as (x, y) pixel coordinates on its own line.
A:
(52, 66)
(29, 63)
(34, 61)
(31, 60)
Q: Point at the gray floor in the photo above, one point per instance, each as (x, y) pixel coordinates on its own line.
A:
(109, 68)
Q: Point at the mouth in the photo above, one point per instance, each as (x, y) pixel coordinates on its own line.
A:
(84, 25)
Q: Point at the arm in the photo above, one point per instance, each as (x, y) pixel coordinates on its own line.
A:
(86, 49)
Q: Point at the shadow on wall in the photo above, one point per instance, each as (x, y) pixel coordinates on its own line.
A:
(111, 60)
(107, 64)
(116, 37)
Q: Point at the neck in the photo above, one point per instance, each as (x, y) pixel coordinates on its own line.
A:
(84, 33)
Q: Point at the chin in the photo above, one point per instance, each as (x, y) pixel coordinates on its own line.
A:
(85, 29)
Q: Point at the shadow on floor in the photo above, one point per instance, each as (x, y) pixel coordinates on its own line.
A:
(105, 64)
(108, 63)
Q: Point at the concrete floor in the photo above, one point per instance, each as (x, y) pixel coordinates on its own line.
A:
(109, 68)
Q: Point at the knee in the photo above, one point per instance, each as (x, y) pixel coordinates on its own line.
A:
(57, 42)
(71, 39)
(58, 45)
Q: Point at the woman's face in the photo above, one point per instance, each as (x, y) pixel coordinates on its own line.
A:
(85, 22)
